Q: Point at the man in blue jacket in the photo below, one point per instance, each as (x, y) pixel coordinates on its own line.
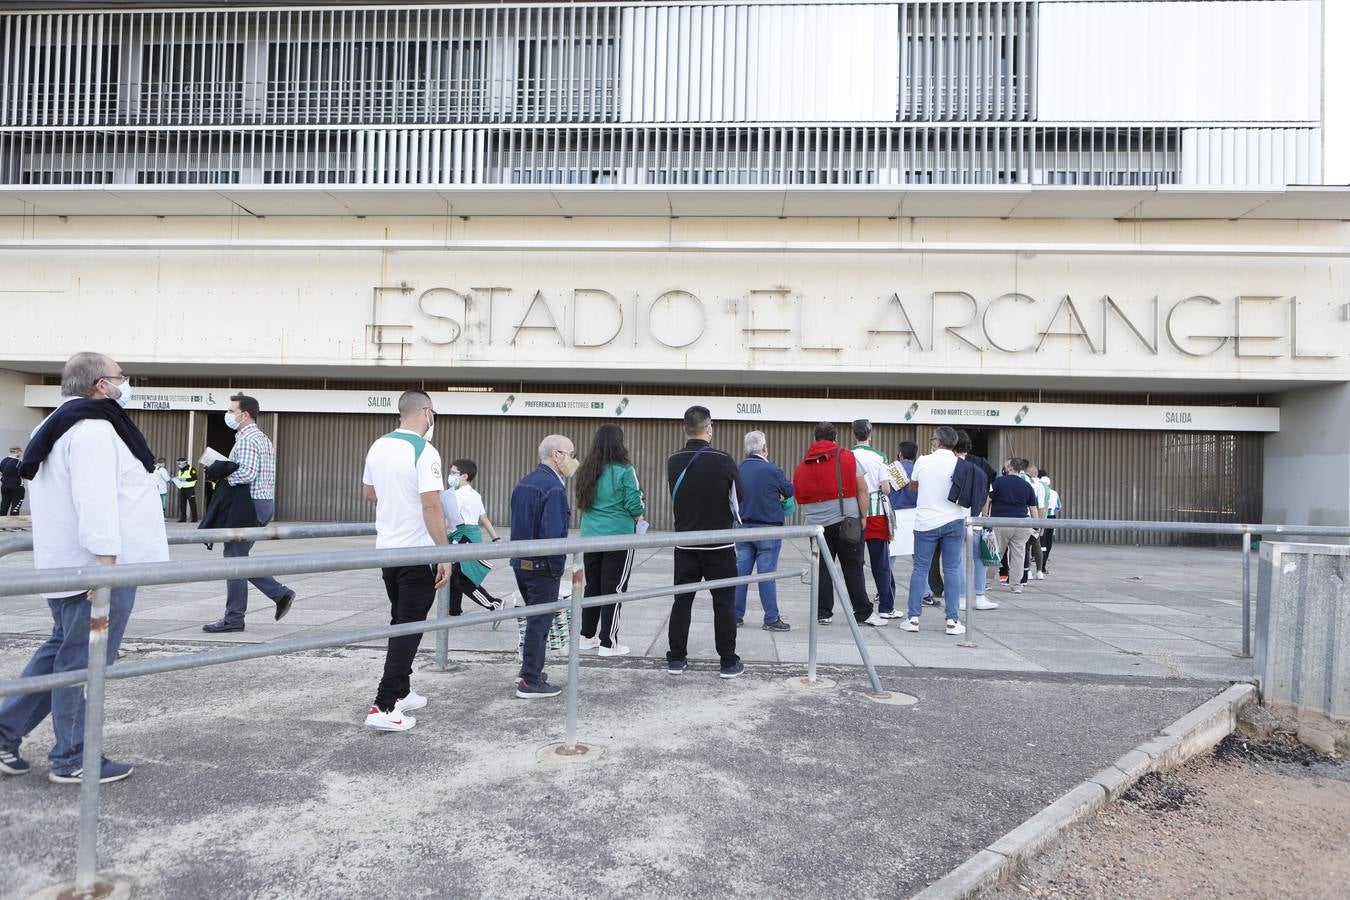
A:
(766, 487)
(539, 512)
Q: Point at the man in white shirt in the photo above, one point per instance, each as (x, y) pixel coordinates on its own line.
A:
(938, 522)
(403, 479)
(94, 501)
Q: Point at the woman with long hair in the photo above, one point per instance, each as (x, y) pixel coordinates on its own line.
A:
(611, 503)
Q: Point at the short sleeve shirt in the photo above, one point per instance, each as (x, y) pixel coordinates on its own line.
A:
(1010, 498)
(933, 472)
(872, 466)
(400, 478)
(470, 504)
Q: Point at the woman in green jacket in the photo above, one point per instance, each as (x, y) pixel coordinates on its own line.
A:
(611, 503)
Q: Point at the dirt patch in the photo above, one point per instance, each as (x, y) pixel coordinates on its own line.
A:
(1251, 819)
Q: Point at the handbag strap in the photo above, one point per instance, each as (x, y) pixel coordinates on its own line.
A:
(680, 480)
(839, 477)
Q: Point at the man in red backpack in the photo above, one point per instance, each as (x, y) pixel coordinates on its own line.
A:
(831, 492)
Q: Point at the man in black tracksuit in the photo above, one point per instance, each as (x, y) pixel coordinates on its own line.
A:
(701, 480)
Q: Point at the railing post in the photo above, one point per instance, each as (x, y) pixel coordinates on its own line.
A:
(86, 865)
(569, 746)
(813, 608)
(846, 603)
(1246, 595)
(969, 562)
(443, 634)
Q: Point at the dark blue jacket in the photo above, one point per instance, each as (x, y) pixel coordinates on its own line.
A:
(905, 498)
(765, 487)
(969, 486)
(539, 512)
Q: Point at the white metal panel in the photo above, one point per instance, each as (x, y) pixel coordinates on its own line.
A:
(1229, 61)
(1251, 156)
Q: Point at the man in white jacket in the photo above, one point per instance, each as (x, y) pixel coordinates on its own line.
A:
(93, 501)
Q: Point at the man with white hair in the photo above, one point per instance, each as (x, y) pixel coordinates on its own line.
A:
(539, 512)
(767, 491)
(93, 503)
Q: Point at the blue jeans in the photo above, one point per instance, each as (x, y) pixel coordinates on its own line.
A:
(951, 538)
(879, 552)
(66, 650)
(536, 588)
(236, 589)
(761, 556)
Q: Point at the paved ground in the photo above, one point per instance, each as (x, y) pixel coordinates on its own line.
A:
(1107, 610)
(257, 779)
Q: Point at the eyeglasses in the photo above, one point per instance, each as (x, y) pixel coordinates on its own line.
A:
(124, 378)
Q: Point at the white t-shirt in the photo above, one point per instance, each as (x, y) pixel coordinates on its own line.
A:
(872, 467)
(470, 504)
(399, 484)
(934, 475)
(90, 498)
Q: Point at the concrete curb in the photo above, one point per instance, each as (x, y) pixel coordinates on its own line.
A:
(1192, 734)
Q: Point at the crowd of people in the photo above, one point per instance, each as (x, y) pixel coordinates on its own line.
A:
(99, 497)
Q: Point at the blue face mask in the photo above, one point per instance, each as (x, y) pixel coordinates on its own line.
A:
(231, 422)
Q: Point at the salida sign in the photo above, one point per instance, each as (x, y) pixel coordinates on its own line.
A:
(476, 319)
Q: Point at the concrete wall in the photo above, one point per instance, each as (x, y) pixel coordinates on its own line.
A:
(16, 420)
(1307, 469)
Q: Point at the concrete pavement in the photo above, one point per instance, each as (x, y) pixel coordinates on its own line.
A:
(1159, 611)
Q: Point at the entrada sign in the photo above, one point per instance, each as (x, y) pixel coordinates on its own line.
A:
(1256, 326)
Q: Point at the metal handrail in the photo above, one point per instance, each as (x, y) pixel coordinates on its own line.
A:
(100, 580)
(1246, 530)
(281, 532)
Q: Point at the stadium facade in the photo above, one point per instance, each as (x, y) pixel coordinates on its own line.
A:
(1095, 234)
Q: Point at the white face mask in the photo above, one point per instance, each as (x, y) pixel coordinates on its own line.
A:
(231, 421)
(452, 480)
(431, 427)
(123, 393)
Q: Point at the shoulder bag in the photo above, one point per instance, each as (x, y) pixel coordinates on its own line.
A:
(851, 528)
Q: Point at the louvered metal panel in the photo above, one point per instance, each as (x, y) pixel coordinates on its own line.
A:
(1254, 156)
(1154, 475)
(450, 155)
(967, 61)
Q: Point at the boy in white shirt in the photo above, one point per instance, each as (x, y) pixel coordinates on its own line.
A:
(467, 578)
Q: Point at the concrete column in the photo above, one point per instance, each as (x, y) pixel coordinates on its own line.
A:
(16, 420)
(1307, 463)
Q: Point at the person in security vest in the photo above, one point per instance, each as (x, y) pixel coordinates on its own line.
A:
(185, 476)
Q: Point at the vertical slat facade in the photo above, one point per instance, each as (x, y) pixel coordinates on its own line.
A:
(915, 92)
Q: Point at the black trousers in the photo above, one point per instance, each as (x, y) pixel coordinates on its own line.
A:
(850, 559)
(935, 586)
(461, 586)
(606, 573)
(705, 565)
(11, 499)
(1047, 542)
(187, 497)
(412, 591)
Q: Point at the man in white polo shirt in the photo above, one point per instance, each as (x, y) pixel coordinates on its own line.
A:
(938, 522)
(403, 479)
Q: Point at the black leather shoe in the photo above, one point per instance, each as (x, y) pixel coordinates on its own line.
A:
(284, 604)
(221, 626)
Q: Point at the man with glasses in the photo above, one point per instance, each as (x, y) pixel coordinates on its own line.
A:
(252, 480)
(93, 503)
(403, 479)
(539, 512)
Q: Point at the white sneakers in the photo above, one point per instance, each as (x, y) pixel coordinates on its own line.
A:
(893, 614)
(912, 624)
(1040, 576)
(616, 650)
(413, 701)
(955, 627)
(876, 621)
(983, 602)
(394, 720)
(588, 643)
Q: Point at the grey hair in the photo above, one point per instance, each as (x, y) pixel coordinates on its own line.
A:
(82, 373)
(946, 436)
(549, 444)
(755, 442)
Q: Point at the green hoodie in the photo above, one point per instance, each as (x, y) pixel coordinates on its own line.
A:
(618, 503)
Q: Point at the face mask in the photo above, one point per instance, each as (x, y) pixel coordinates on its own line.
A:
(452, 481)
(123, 394)
(231, 421)
(431, 429)
(569, 466)
(182, 463)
